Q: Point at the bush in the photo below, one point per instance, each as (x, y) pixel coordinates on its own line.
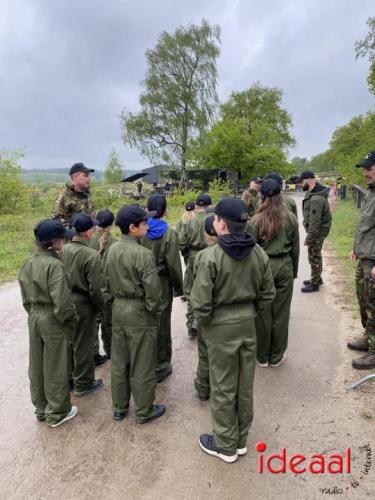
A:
(10, 182)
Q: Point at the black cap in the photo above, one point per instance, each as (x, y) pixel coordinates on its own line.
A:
(368, 161)
(132, 214)
(203, 200)
(257, 179)
(157, 203)
(80, 167)
(277, 177)
(307, 174)
(209, 225)
(52, 229)
(190, 206)
(232, 209)
(83, 222)
(105, 218)
(270, 187)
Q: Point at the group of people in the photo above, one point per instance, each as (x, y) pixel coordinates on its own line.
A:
(241, 260)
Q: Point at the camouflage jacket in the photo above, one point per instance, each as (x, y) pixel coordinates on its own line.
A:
(72, 202)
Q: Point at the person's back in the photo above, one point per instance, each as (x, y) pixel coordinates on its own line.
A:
(233, 283)
(130, 277)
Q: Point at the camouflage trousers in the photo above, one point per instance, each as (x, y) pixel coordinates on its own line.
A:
(365, 287)
(315, 260)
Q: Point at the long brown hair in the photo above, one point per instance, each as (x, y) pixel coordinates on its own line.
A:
(269, 217)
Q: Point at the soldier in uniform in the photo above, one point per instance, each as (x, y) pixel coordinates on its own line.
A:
(131, 278)
(287, 200)
(162, 240)
(83, 268)
(76, 196)
(192, 240)
(275, 228)
(233, 282)
(317, 221)
(101, 241)
(188, 214)
(52, 318)
(251, 197)
(364, 254)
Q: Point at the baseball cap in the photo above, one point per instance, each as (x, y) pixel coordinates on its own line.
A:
(52, 229)
(232, 209)
(132, 214)
(270, 187)
(307, 174)
(368, 161)
(277, 177)
(83, 222)
(189, 206)
(157, 203)
(203, 200)
(80, 167)
(105, 218)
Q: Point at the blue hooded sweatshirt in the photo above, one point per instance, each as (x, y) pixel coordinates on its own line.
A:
(156, 228)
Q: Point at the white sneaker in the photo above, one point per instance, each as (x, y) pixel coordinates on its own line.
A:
(73, 412)
(241, 451)
(280, 362)
(207, 443)
(263, 365)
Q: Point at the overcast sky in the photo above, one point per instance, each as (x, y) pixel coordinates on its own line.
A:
(68, 68)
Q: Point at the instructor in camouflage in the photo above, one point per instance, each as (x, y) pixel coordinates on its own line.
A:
(364, 254)
(76, 196)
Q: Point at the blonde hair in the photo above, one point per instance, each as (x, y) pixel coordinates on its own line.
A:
(103, 238)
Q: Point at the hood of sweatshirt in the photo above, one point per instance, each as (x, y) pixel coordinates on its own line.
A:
(237, 245)
(156, 228)
(320, 190)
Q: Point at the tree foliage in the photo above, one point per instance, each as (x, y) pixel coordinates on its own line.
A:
(10, 180)
(179, 98)
(113, 170)
(252, 134)
(366, 47)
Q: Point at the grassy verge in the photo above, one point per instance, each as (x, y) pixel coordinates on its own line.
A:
(345, 219)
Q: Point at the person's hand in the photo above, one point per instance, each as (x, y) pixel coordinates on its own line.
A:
(353, 257)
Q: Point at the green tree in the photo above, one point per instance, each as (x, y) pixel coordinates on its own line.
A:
(179, 98)
(10, 180)
(366, 47)
(322, 162)
(252, 135)
(113, 170)
(298, 163)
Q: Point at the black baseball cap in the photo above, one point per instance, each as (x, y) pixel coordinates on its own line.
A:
(190, 206)
(270, 187)
(232, 209)
(157, 203)
(209, 225)
(80, 167)
(307, 174)
(274, 175)
(83, 222)
(132, 214)
(368, 161)
(52, 229)
(105, 218)
(203, 200)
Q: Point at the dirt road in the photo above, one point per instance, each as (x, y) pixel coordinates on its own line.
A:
(302, 406)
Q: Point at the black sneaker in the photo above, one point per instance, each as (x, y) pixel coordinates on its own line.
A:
(119, 415)
(159, 410)
(192, 333)
(208, 445)
(99, 359)
(308, 282)
(310, 288)
(203, 396)
(160, 376)
(94, 386)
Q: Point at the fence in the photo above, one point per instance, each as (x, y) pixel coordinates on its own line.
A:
(358, 194)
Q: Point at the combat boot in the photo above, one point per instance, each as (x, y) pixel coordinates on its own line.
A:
(308, 282)
(366, 362)
(358, 344)
(310, 288)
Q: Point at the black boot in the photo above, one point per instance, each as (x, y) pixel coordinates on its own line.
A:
(308, 282)
(310, 288)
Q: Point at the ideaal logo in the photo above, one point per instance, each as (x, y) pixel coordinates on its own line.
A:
(316, 463)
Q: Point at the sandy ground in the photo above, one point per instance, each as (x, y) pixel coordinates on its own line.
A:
(303, 406)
